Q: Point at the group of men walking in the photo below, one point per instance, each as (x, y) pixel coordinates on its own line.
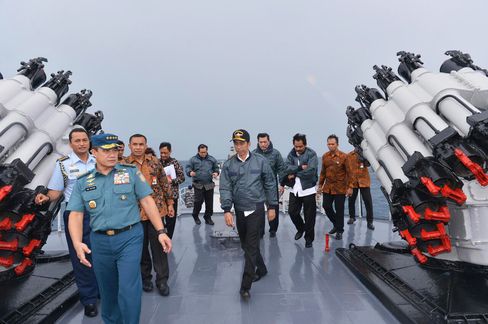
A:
(120, 211)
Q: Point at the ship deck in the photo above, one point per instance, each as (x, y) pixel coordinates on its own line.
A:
(302, 286)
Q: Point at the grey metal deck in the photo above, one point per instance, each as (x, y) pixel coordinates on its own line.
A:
(302, 286)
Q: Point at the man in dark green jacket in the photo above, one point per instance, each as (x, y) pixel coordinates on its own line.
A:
(266, 149)
(203, 168)
(248, 183)
(301, 176)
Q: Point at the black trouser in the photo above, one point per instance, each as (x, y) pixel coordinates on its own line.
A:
(200, 196)
(309, 212)
(159, 258)
(170, 222)
(84, 277)
(335, 216)
(368, 202)
(248, 228)
(273, 225)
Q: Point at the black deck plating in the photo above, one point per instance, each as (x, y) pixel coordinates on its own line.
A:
(420, 294)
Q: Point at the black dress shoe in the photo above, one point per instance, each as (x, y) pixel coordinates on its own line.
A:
(163, 290)
(197, 220)
(371, 226)
(91, 310)
(272, 234)
(258, 276)
(308, 244)
(333, 230)
(245, 293)
(338, 236)
(209, 221)
(351, 221)
(298, 235)
(147, 286)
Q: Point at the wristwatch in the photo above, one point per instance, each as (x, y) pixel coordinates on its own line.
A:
(163, 231)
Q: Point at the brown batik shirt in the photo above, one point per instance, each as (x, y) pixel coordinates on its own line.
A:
(333, 175)
(180, 175)
(358, 172)
(153, 171)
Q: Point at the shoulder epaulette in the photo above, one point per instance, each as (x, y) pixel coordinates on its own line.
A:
(84, 174)
(63, 158)
(127, 165)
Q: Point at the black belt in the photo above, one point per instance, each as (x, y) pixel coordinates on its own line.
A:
(112, 232)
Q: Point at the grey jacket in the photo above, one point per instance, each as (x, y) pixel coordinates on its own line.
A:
(203, 167)
(247, 184)
(309, 176)
(274, 158)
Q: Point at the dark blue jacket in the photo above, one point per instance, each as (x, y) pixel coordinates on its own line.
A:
(309, 176)
(274, 158)
(203, 167)
(247, 184)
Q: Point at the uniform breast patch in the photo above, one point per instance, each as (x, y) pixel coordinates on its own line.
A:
(121, 178)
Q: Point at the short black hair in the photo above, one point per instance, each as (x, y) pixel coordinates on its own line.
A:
(261, 135)
(300, 137)
(201, 146)
(77, 130)
(137, 135)
(333, 136)
(165, 144)
(119, 142)
(149, 150)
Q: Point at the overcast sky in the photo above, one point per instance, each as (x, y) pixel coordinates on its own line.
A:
(191, 72)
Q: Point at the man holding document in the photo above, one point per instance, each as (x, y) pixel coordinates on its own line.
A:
(176, 176)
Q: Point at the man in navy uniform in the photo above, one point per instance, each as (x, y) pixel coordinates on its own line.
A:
(248, 183)
(110, 194)
(67, 169)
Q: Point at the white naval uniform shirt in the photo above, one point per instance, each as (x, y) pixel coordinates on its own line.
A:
(74, 167)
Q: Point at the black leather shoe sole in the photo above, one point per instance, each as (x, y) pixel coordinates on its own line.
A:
(245, 293)
(298, 236)
(333, 230)
(148, 286)
(163, 290)
(258, 276)
(91, 310)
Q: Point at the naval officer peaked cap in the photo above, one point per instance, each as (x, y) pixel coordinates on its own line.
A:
(105, 141)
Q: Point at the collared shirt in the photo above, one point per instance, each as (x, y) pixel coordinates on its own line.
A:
(358, 175)
(180, 175)
(243, 160)
(297, 188)
(153, 172)
(333, 176)
(112, 199)
(66, 171)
